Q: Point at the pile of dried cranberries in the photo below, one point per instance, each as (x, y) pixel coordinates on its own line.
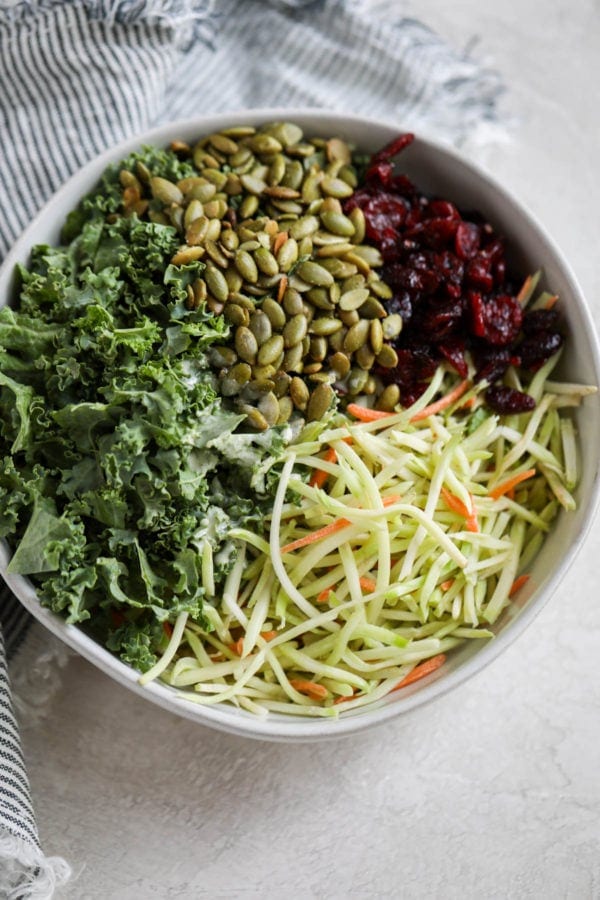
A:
(448, 273)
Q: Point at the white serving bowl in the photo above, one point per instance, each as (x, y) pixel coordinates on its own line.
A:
(437, 170)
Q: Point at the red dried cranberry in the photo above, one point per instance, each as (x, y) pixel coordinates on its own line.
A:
(541, 320)
(507, 401)
(536, 348)
(492, 363)
(441, 319)
(393, 148)
(443, 209)
(497, 320)
(466, 240)
(379, 172)
(478, 274)
(454, 352)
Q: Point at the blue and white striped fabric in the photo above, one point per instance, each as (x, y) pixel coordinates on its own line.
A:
(79, 76)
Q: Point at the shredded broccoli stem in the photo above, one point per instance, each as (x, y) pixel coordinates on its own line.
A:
(426, 525)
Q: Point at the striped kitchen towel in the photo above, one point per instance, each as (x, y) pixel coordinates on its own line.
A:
(79, 76)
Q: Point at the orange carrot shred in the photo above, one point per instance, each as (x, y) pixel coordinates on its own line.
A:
(518, 583)
(367, 584)
(442, 403)
(364, 414)
(237, 647)
(316, 691)
(167, 628)
(422, 670)
(320, 476)
(551, 301)
(283, 283)
(317, 535)
(323, 597)
(446, 585)
(524, 292)
(510, 483)
(457, 506)
(343, 699)
(268, 635)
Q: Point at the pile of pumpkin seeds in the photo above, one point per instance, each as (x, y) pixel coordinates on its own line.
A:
(284, 265)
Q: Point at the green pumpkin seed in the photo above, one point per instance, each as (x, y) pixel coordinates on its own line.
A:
(338, 150)
(216, 282)
(372, 309)
(325, 326)
(353, 299)
(275, 313)
(165, 191)
(387, 357)
(376, 336)
(252, 184)
(281, 383)
(255, 418)
(348, 174)
(270, 350)
(216, 254)
(213, 232)
(287, 133)
(265, 261)
(335, 187)
(264, 144)
(193, 212)
(295, 330)
(392, 326)
(239, 131)
(246, 344)
(313, 273)
(320, 298)
(264, 373)
(248, 206)
(336, 249)
(236, 314)
(310, 187)
(320, 401)
(292, 359)
(364, 357)
(318, 348)
(223, 144)
(246, 266)
(357, 380)
(229, 240)
(357, 336)
(294, 174)
(299, 393)
(260, 326)
(292, 302)
(287, 254)
(286, 408)
(340, 363)
(269, 407)
(349, 318)
(380, 289)
(389, 398)
(240, 372)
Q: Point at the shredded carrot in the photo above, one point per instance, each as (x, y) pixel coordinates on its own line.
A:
(316, 535)
(268, 635)
(334, 526)
(343, 699)
(523, 294)
(320, 476)
(551, 301)
(283, 283)
(457, 506)
(279, 241)
(443, 402)
(510, 483)
(323, 597)
(518, 583)
(510, 493)
(446, 585)
(421, 670)
(364, 414)
(316, 691)
(237, 647)
(367, 584)
(470, 403)
(167, 628)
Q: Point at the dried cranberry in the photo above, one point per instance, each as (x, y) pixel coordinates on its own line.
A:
(454, 352)
(541, 320)
(478, 274)
(536, 348)
(507, 401)
(492, 363)
(440, 319)
(466, 240)
(379, 172)
(393, 148)
(443, 209)
(497, 319)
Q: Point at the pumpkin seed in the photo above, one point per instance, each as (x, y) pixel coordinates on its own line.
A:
(387, 357)
(340, 363)
(286, 408)
(269, 407)
(392, 326)
(372, 309)
(221, 356)
(260, 326)
(223, 144)
(270, 350)
(216, 282)
(389, 398)
(318, 348)
(246, 344)
(248, 206)
(295, 330)
(274, 312)
(299, 393)
(313, 273)
(325, 326)
(265, 261)
(335, 187)
(246, 266)
(187, 255)
(365, 357)
(357, 380)
(264, 144)
(165, 191)
(255, 418)
(292, 359)
(376, 336)
(320, 401)
(287, 254)
(357, 336)
(292, 302)
(353, 299)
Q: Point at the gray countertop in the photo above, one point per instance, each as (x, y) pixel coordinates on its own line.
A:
(492, 791)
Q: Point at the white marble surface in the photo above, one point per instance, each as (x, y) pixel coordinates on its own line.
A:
(492, 791)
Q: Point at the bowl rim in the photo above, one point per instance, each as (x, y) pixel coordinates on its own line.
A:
(286, 728)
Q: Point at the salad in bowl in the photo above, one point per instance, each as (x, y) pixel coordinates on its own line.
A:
(289, 426)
